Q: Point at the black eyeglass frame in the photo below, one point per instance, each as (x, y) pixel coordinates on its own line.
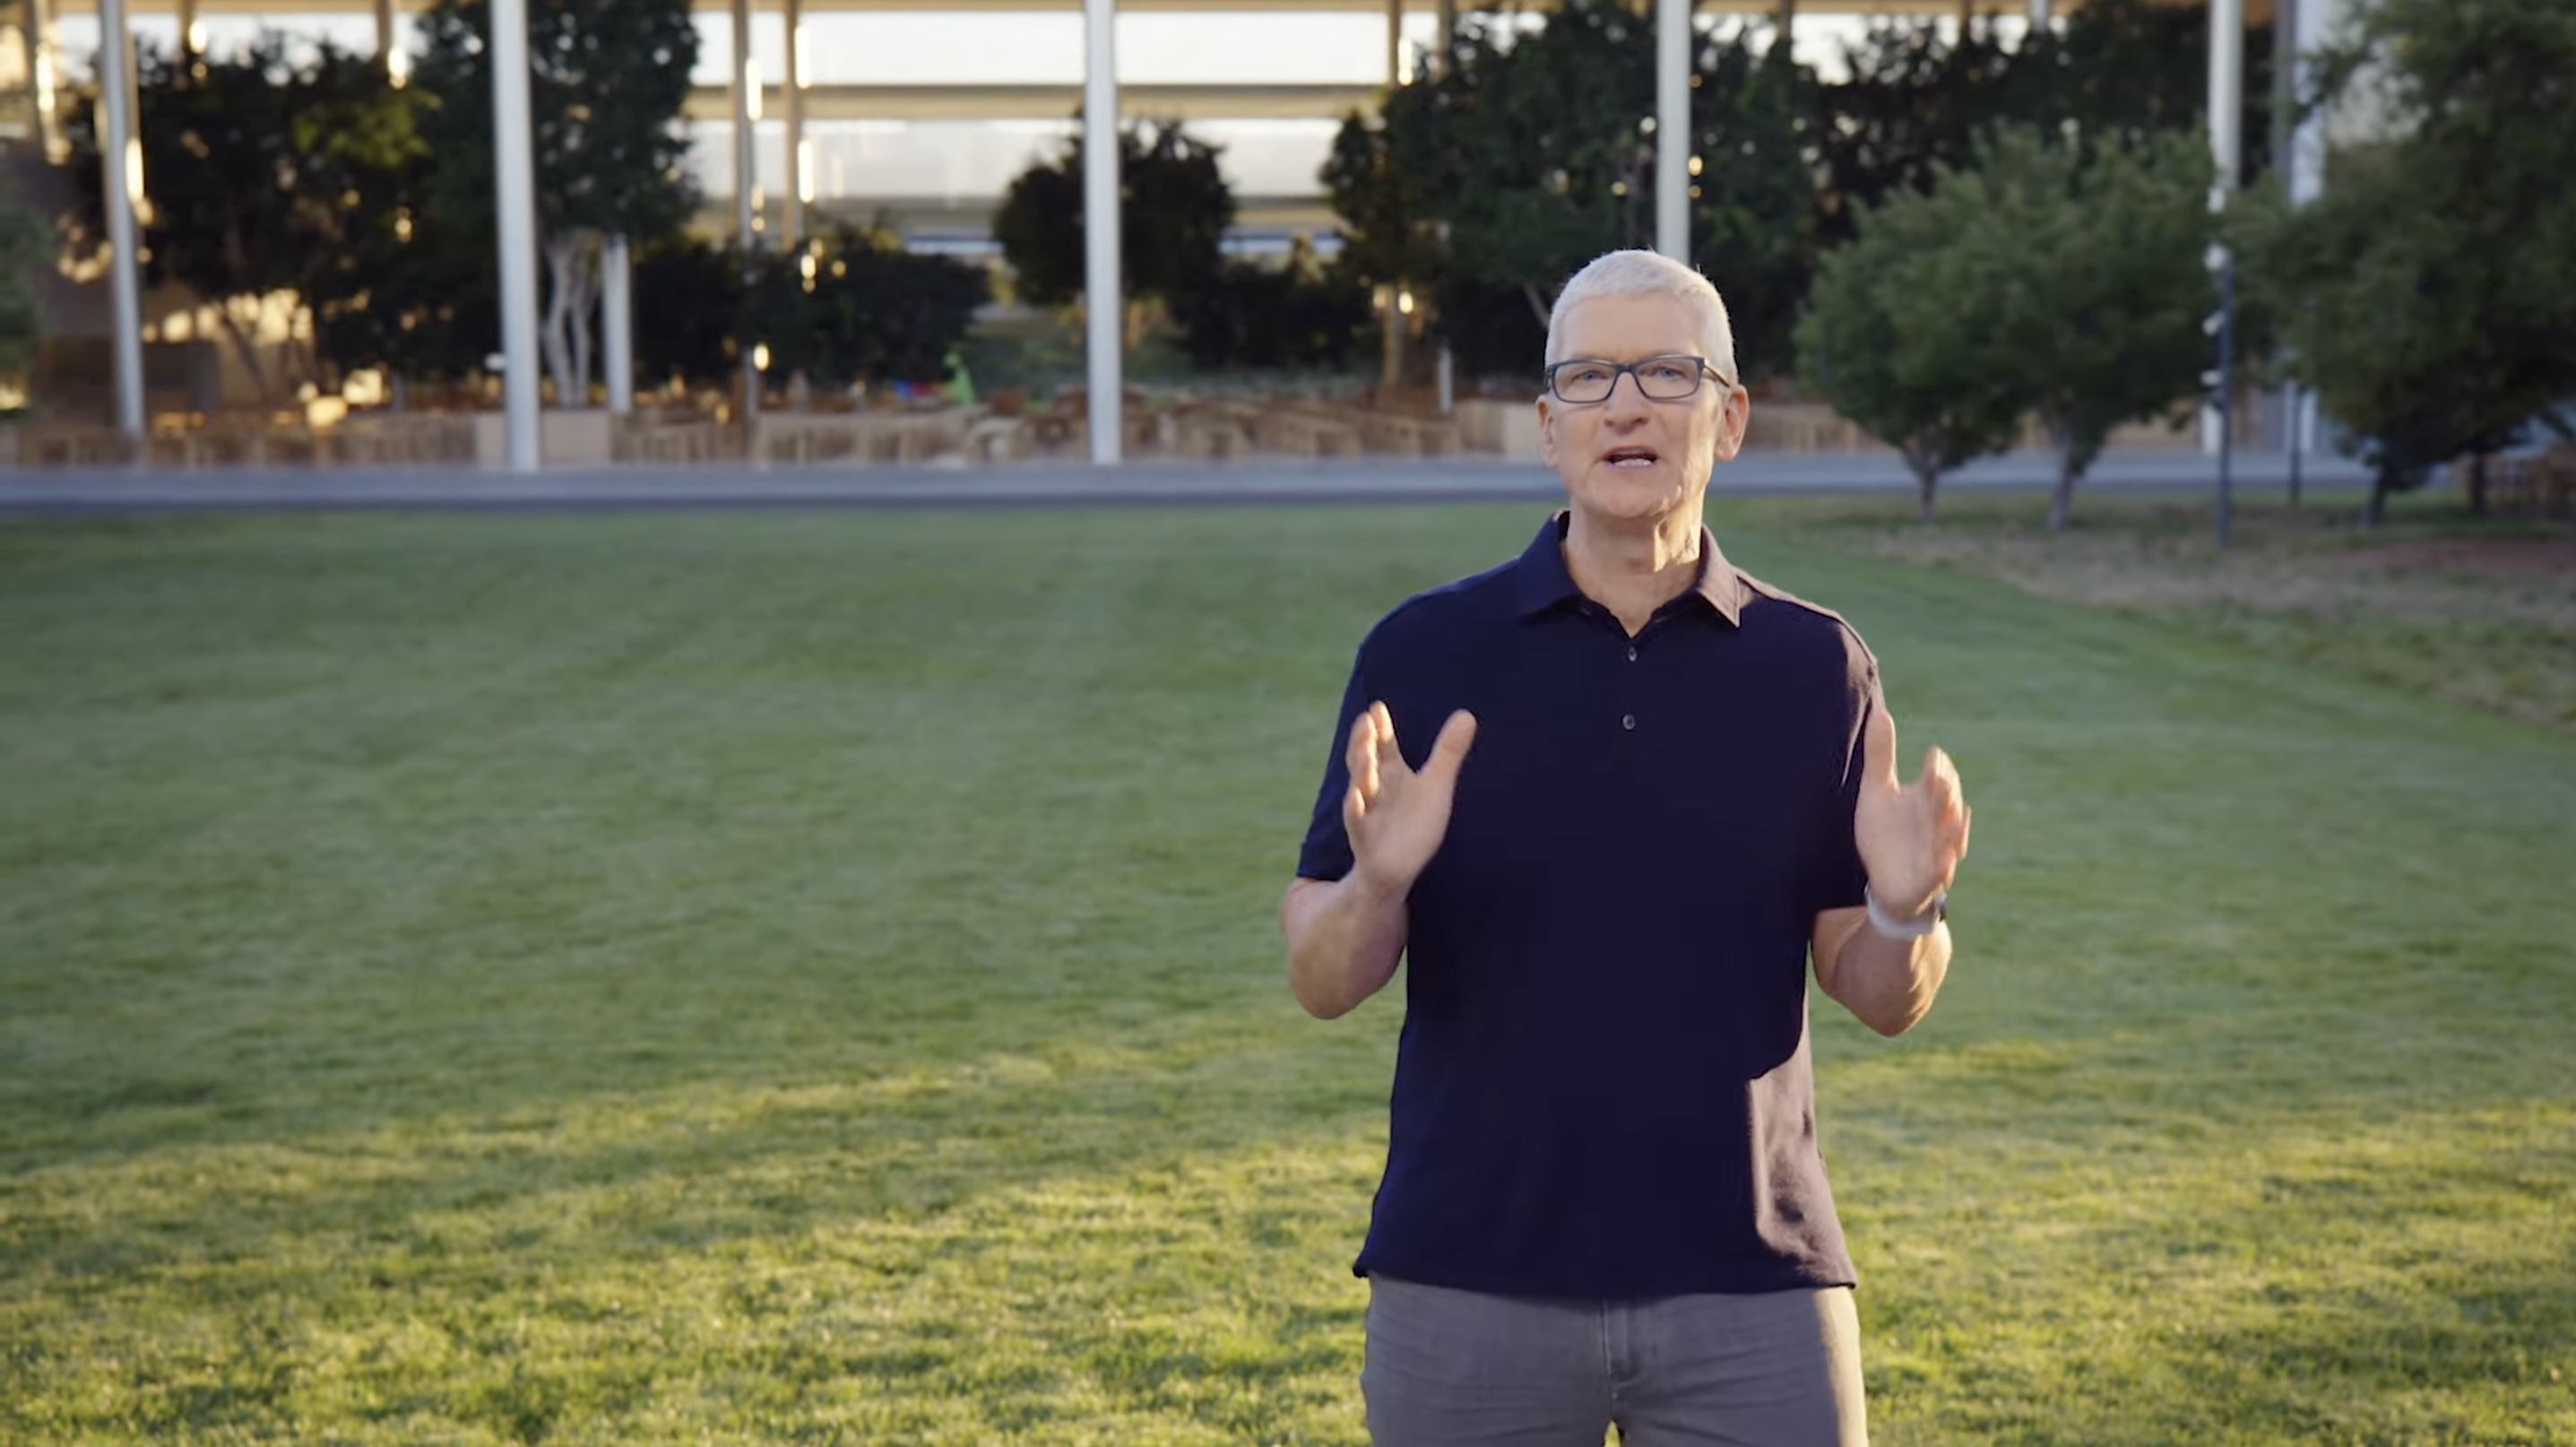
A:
(1629, 370)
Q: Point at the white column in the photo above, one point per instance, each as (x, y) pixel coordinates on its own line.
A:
(1397, 334)
(121, 157)
(2226, 145)
(1104, 302)
(746, 172)
(384, 29)
(1394, 42)
(515, 171)
(2226, 94)
(792, 94)
(746, 114)
(617, 322)
(1672, 128)
(187, 18)
(2039, 14)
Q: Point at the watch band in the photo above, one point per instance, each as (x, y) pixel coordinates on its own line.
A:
(1914, 929)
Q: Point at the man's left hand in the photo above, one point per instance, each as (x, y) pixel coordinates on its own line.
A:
(1911, 836)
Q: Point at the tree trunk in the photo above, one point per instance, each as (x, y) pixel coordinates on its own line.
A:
(246, 347)
(550, 335)
(561, 252)
(2374, 511)
(1537, 305)
(306, 354)
(2478, 486)
(584, 309)
(245, 336)
(1927, 479)
(2061, 502)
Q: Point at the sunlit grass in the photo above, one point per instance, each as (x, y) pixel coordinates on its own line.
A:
(2434, 602)
(813, 979)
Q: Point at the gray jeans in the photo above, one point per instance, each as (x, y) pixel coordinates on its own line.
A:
(1461, 1369)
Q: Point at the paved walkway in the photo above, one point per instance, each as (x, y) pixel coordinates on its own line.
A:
(1134, 484)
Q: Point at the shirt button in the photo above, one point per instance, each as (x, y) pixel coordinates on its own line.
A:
(1627, 720)
(1632, 653)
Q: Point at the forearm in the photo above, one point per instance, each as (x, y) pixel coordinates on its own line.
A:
(1888, 982)
(1344, 941)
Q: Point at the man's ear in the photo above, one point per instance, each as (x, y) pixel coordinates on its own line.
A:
(1546, 431)
(1735, 413)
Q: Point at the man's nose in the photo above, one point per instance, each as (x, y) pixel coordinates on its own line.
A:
(1627, 397)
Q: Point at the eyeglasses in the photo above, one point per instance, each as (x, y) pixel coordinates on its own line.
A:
(1586, 380)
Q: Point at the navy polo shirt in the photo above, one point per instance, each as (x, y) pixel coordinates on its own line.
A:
(1602, 1088)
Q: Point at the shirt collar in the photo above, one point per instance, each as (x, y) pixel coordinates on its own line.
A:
(1540, 581)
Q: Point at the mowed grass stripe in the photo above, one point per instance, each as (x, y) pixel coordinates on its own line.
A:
(813, 978)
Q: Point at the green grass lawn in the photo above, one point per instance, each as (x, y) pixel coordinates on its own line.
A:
(814, 979)
(2476, 611)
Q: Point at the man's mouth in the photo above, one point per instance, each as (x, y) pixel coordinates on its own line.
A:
(1630, 457)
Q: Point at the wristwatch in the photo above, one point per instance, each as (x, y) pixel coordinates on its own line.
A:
(1902, 929)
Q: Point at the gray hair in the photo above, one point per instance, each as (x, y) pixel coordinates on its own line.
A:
(1648, 273)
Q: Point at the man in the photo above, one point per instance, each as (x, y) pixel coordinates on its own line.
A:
(1658, 787)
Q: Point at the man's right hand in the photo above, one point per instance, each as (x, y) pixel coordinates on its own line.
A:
(1397, 816)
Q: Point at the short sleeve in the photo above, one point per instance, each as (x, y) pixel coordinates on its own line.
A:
(1326, 853)
(1843, 880)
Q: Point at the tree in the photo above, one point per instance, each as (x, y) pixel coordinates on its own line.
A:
(1550, 148)
(1173, 210)
(422, 301)
(1530, 153)
(1298, 315)
(2126, 69)
(608, 80)
(689, 297)
(2098, 282)
(265, 175)
(1380, 178)
(1915, 100)
(2424, 296)
(1754, 226)
(2037, 282)
(26, 243)
(856, 307)
(1895, 336)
